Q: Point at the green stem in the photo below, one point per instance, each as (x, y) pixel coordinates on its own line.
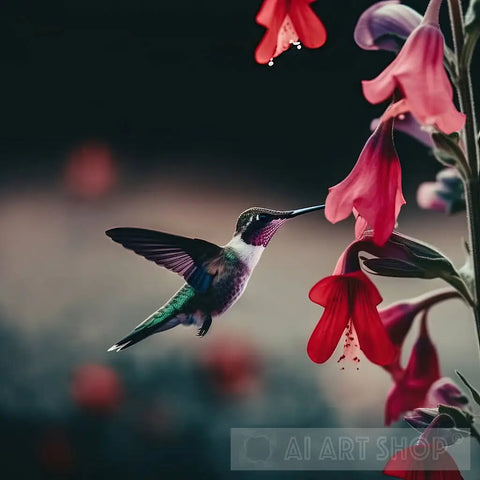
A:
(472, 185)
(467, 106)
(469, 47)
(456, 19)
(464, 87)
(472, 196)
(475, 434)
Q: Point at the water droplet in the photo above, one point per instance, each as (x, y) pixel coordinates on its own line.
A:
(270, 63)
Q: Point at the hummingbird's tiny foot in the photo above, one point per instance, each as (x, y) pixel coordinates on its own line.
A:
(205, 327)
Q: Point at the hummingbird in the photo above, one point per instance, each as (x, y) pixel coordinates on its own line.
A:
(215, 277)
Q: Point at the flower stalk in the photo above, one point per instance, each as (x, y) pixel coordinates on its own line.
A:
(472, 185)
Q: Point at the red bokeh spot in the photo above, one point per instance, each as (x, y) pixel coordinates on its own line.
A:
(55, 452)
(90, 172)
(233, 365)
(96, 388)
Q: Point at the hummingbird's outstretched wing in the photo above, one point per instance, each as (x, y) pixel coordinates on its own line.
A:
(182, 255)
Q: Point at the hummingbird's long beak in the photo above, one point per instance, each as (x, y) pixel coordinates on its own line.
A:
(301, 211)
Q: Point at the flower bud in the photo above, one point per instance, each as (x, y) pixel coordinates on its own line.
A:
(445, 195)
(385, 26)
(407, 257)
(445, 392)
(406, 123)
(421, 417)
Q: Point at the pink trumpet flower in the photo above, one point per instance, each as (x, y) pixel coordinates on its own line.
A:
(419, 74)
(372, 190)
(287, 22)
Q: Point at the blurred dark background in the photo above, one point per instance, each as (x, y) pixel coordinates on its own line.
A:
(178, 78)
(154, 113)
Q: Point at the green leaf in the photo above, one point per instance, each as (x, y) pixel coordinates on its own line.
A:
(462, 419)
(473, 391)
(458, 283)
(420, 261)
(472, 33)
(448, 152)
(472, 17)
(392, 267)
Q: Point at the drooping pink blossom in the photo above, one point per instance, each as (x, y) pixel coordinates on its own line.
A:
(419, 74)
(372, 190)
(350, 302)
(287, 22)
(410, 390)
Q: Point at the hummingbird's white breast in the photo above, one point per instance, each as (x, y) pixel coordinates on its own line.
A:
(248, 254)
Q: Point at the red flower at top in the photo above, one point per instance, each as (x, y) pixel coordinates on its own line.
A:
(419, 74)
(350, 302)
(373, 189)
(287, 22)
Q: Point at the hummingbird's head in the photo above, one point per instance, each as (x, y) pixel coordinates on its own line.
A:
(256, 226)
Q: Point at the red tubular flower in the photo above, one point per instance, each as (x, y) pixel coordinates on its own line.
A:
(287, 22)
(423, 369)
(350, 302)
(398, 319)
(421, 462)
(372, 190)
(419, 74)
(428, 458)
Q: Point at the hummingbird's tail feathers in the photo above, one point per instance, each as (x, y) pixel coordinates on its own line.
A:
(144, 330)
(167, 317)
